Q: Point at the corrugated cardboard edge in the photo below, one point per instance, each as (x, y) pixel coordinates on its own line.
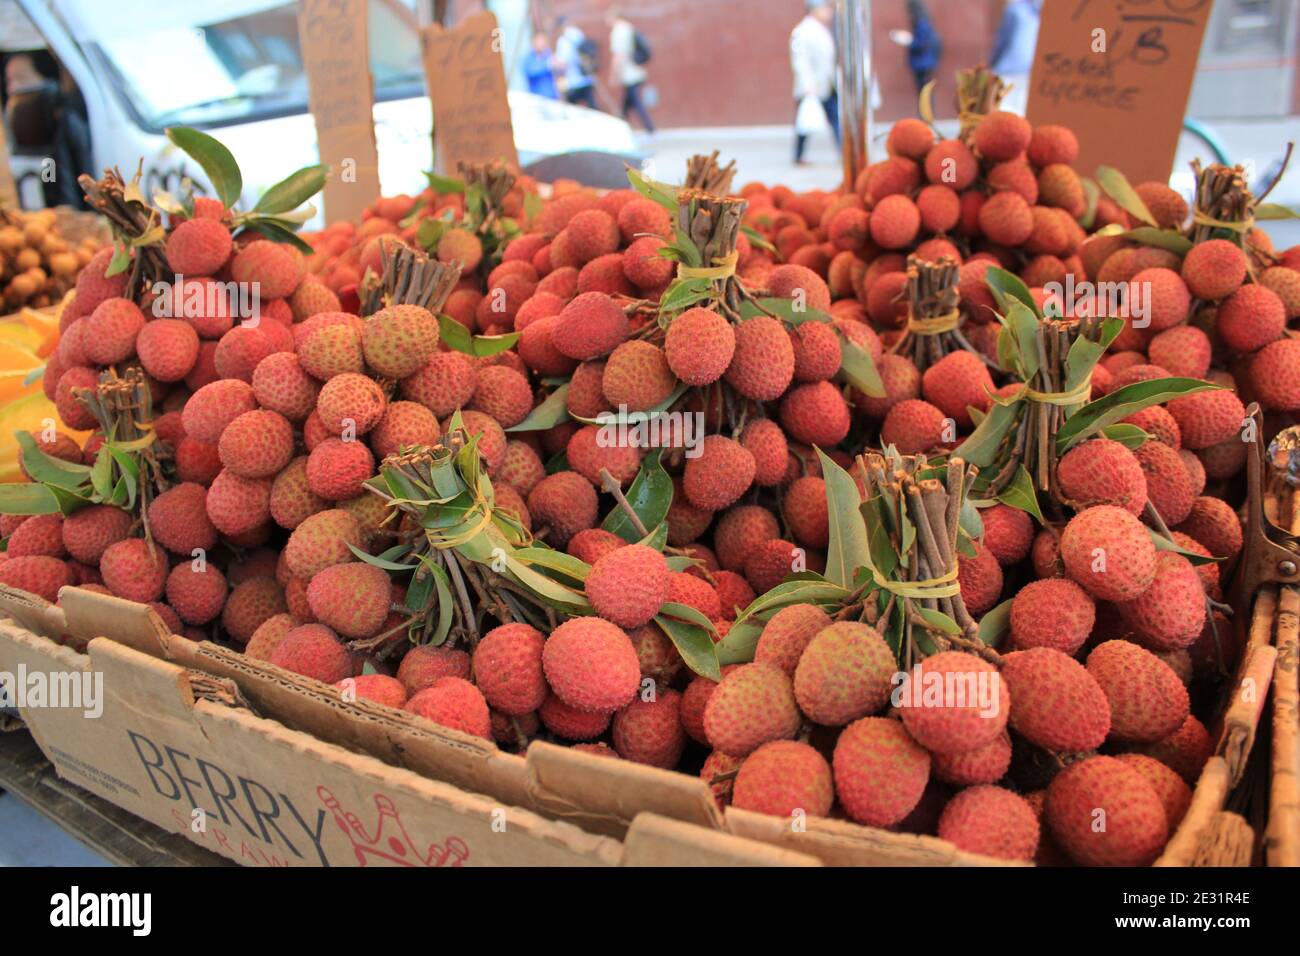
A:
(653, 840)
(838, 843)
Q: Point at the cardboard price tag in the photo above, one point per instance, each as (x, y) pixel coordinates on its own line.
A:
(335, 54)
(1118, 72)
(466, 77)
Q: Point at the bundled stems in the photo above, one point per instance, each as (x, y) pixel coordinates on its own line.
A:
(1223, 203)
(409, 277)
(704, 174)
(134, 223)
(979, 92)
(932, 312)
(1043, 407)
(712, 224)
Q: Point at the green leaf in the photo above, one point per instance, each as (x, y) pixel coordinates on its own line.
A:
(27, 498)
(294, 190)
(1122, 403)
(121, 260)
(1006, 287)
(101, 474)
(1023, 323)
(981, 446)
(379, 561)
(215, 160)
(650, 495)
(272, 230)
(1169, 239)
(940, 622)
(48, 470)
(1084, 353)
(1091, 194)
(1130, 436)
(684, 293)
(1020, 494)
(1117, 187)
(1270, 210)
(880, 546)
(443, 185)
(847, 548)
(1165, 544)
(532, 206)
(799, 591)
(548, 414)
(694, 643)
(857, 368)
(460, 339)
(664, 195)
(737, 647)
(995, 624)
(784, 310)
(553, 560)
(756, 239)
(658, 537)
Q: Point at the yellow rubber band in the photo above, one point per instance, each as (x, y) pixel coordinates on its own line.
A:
(945, 586)
(723, 268)
(935, 325)
(1080, 393)
(1201, 219)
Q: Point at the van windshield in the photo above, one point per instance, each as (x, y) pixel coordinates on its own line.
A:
(222, 62)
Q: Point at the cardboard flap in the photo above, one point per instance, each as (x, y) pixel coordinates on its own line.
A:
(141, 682)
(393, 736)
(90, 614)
(838, 843)
(605, 795)
(32, 612)
(653, 840)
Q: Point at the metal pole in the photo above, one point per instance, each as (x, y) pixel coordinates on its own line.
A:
(853, 47)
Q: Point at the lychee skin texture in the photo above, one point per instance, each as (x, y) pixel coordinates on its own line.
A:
(762, 365)
(591, 664)
(1147, 700)
(783, 777)
(270, 264)
(1054, 612)
(628, 586)
(815, 414)
(721, 473)
(972, 707)
(238, 505)
(196, 595)
(398, 340)
(1008, 533)
(788, 633)
(590, 326)
(650, 731)
(570, 722)
(336, 469)
(983, 765)
(1171, 612)
(256, 444)
(508, 668)
(198, 247)
(351, 598)
(566, 503)
(1251, 318)
(1135, 825)
(111, 331)
(88, 531)
(914, 426)
(956, 383)
(1174, 794)
(455, 703)
(751, 705)
(1215, 269)
(214, 406)
(377, 688)
(1055, 702)
(425, 664)
(1275, 374)
(844, 673)
(313, 650)
(991, 821)
(250, 605)
(1102, 471)
(880, 771)
(1208, 418)
(350, 399)
(179, 520)
(41, 575)
(320, 540)
(168, 349)
(134, 569)
(1001, 135)
(1109, 553)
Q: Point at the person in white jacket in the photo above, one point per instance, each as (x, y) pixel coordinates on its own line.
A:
(812, 60)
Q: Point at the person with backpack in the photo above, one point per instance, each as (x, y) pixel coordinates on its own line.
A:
(812, 61)
(577, 55)
(629, 54)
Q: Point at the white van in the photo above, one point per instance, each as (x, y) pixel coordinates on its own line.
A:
(233, 68)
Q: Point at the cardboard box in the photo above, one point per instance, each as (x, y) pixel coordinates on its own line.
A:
(197, 754)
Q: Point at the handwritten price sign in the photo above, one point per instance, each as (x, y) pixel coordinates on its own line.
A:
(1118, 72)
(467, 88)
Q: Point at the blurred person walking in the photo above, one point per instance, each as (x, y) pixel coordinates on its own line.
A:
(577, 56)
(812, 60)
(539, 68)
(925, 48)
(1013, 50)
(629, 53)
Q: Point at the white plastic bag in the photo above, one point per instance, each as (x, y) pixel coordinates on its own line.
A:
(810, 117)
